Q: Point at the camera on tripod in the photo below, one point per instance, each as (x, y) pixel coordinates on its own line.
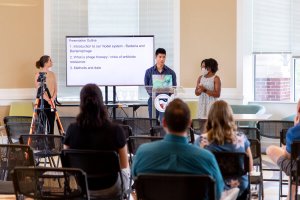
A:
(42, 77)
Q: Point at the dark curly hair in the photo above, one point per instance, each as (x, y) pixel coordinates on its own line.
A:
(211, 64)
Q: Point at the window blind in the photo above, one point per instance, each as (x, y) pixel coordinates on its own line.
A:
(296, 28)
(272, 26)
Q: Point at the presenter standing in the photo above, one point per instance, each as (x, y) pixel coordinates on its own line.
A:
(158, 69)
(208, 86)
(43, 65)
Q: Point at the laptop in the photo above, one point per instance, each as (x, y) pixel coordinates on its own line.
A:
(162, 81)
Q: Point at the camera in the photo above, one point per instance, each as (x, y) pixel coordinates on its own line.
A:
(42, 77)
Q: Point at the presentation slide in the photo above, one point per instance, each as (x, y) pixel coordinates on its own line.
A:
(108, 60)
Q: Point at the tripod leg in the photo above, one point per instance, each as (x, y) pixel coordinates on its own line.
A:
(59, 125)
(34, 116)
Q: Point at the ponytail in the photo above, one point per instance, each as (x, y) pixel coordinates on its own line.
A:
(41, 62)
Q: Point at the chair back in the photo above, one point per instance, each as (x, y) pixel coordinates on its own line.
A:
(175, 187)
(16, 126)
(135, 141)
(102, 167)
(256, 154)
(199, 125)
(15, 129)
(50, 183)
(17, 119)
(13, 155)
(66, 121)
(250, 132)
(255, 149)
(295, 154)
(295, 157)
(127, 130)
(191, 135)
(117, 120)
(43, 145)
(283, 133)
(157, 131)
(232, 164)
(272, 128)
(160, 132)
(140, 126)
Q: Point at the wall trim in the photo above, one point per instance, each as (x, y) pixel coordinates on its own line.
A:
(28, 94)
(12, 95)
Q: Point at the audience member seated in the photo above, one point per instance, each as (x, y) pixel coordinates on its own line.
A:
(94, 131)
(282, 155)
(222, 136)
(174, 154)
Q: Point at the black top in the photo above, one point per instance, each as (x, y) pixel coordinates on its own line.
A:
(109, 137)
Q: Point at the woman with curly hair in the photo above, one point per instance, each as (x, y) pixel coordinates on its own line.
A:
(222, 136)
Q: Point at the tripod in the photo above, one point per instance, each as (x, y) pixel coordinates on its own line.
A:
(40, 123)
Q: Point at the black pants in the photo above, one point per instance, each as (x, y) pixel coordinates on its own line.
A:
(50, 117)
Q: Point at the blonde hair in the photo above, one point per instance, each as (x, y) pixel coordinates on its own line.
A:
(220, 124)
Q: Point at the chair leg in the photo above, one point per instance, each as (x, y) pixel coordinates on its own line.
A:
(52, 162)
(261, 191)
(296, 190)
(280, 184)
(290, 188)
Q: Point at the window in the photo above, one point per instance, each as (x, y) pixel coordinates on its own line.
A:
(276, 46)
(273, 80)
(101, 17)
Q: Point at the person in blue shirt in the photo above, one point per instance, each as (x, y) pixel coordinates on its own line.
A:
(222, 136)
(282, 155)
(158, 69)
(174, 154)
